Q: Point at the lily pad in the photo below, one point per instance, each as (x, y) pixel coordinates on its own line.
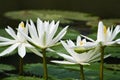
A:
(107, 22)
(72, 72)
(22, 78)
(63, 16)
(71, 34)
(114, 67)
(37, 69)
(5, 67)
(92, 71)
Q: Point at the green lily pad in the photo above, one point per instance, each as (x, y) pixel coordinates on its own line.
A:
(72, 72)
(114, 67)
(107, 22)
(33, 78)
(5, 67)
(92, 71)
(114, 51)
(22, 78)
(71, 34)
(37, 69)
(63, 16)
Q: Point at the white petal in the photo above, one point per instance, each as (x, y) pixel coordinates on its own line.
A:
(100, 32)
(95, 57)
(4, 39)
(9, 49)
(6, 43)
(11, 32)
(110, 43)
(84, 63)
(109, 34)
(27, 37)
(35, 51)
(21, 50)
(67, 57)
(39, 27)
(88, 38)
(115, 32)
(82, 57)
(71, 51)
(70, 43)
(62, 62)
(66, 47)
(59, 36)
(78, 41)
(53, 29)
(33, 31)
(118, 41)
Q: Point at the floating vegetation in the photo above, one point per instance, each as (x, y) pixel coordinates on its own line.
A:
(5, 67)
(63, 16)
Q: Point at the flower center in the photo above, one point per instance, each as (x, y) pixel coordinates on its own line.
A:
(22, 25)
(105, 30)
(81, 42)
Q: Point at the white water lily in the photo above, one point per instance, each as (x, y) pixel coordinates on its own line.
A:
(18, 41)
(106, 35)
(43, 36)
(83, 45)
(73, 57)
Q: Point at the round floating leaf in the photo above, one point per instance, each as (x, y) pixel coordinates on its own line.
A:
(92, 71)
(22, 78)
(63, 16)
(107, 22)
(72, 72)
(4, 33)
(114, 67)
(37, 69)
(71, 34)
(113, 50)
(5, 67)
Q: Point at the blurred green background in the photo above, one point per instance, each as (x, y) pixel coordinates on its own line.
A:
(101, 8)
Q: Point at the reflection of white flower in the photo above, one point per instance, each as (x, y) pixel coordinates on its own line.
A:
(43, 36)
(17, 41)
(106, 35)
(73, 57)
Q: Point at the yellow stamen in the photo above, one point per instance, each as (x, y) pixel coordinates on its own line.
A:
(105, 30)
(81, 42)
(22, 24)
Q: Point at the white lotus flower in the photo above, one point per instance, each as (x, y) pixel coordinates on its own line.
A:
(43, 36)
(18, 41)
(106, 35)
(73, 57)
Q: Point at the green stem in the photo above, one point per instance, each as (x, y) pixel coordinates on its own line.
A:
(81, 72)
(21, 66)
(102, 63)
(45, 64)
